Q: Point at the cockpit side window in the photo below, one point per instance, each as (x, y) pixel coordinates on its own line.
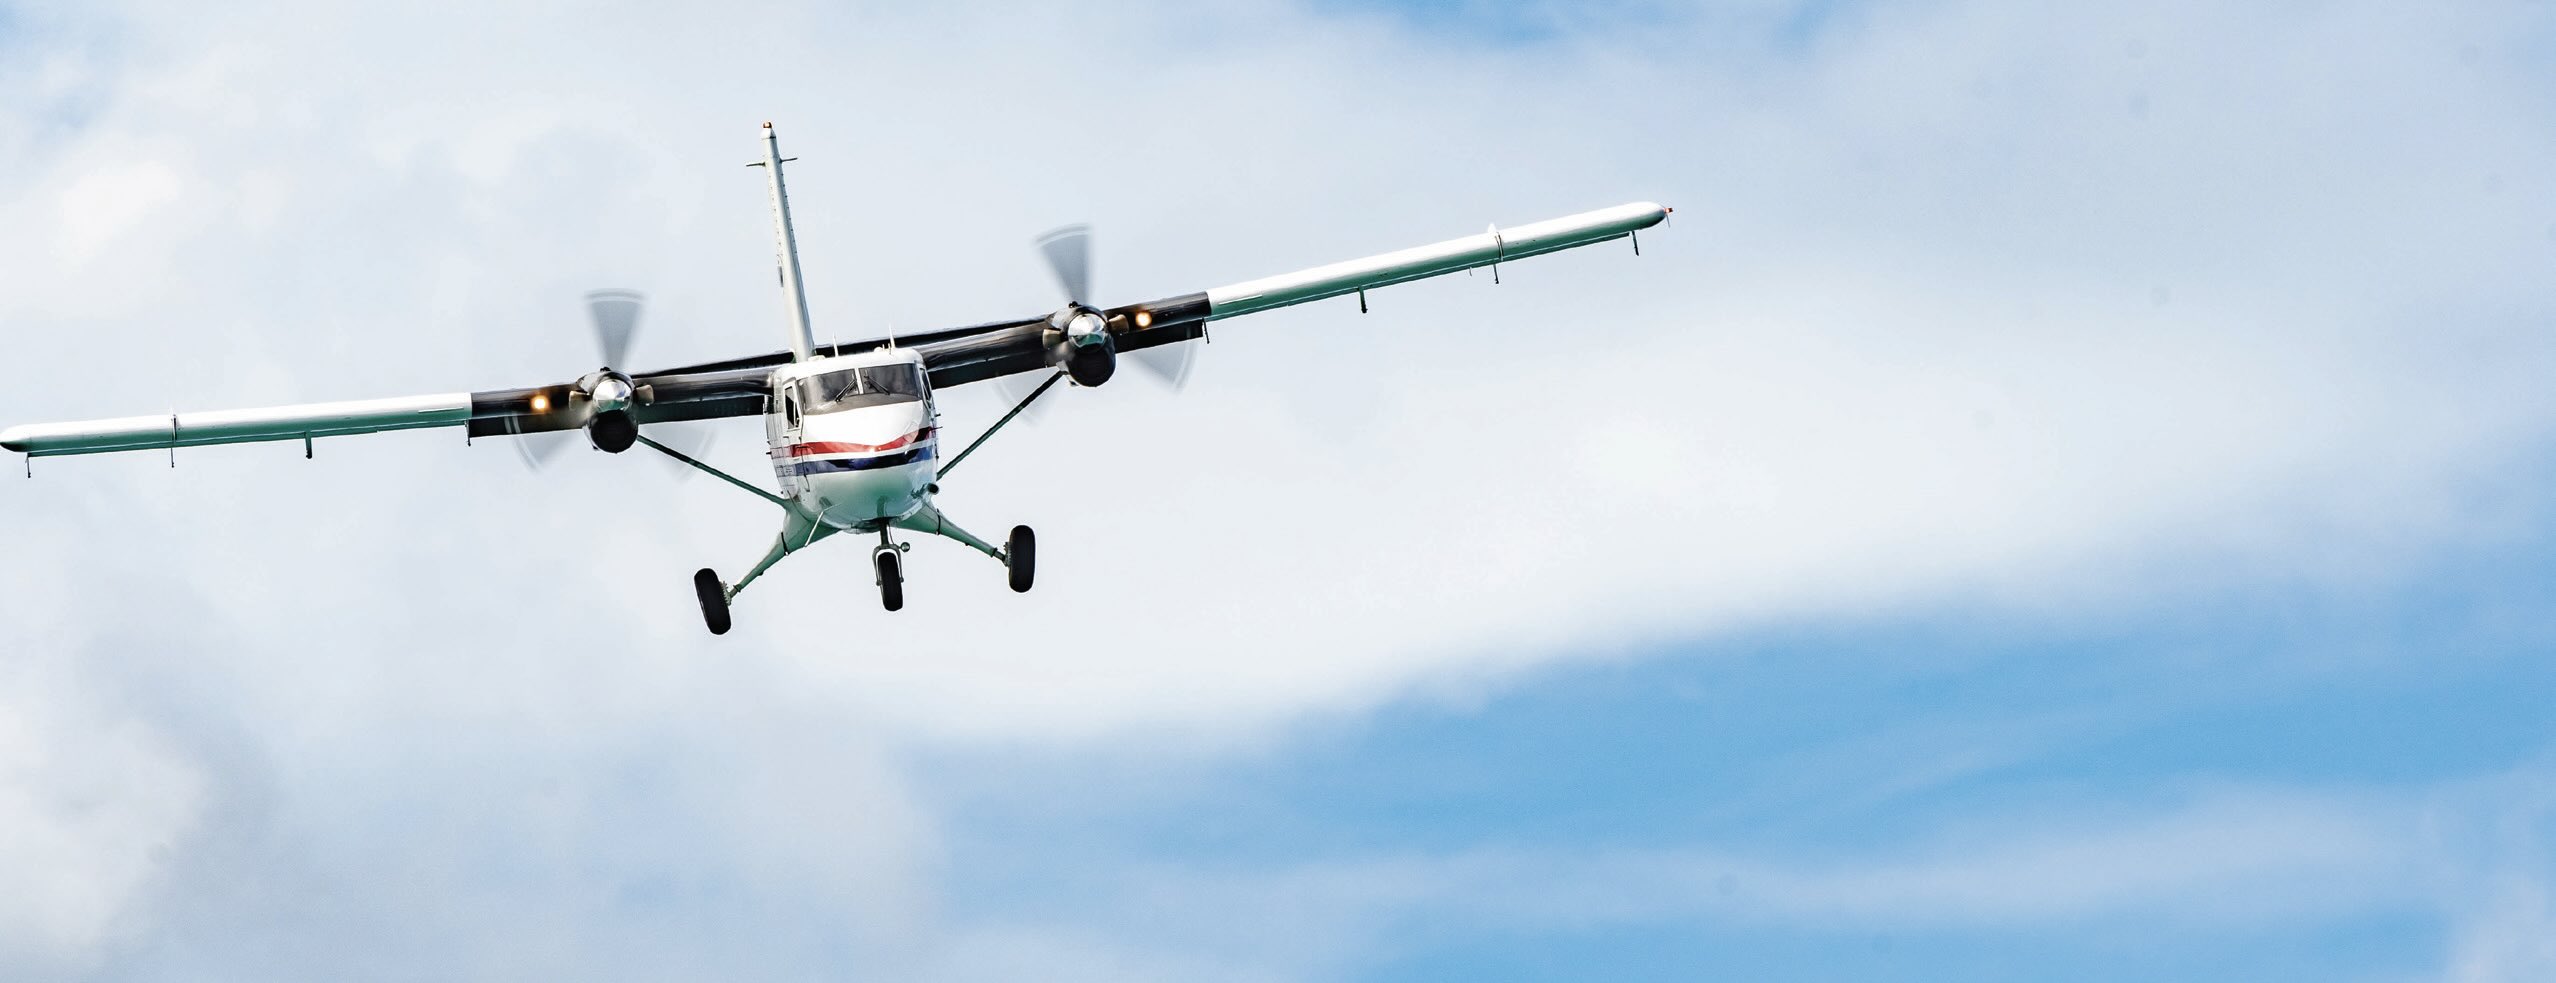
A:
(875, 385)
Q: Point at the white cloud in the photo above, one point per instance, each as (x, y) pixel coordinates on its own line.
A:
(91, 806)
(2512, 939)
(1966, 304)
(98, 208)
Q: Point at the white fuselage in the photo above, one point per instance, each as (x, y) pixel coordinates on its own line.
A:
(854, 467)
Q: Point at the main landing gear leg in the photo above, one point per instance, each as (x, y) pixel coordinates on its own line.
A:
(1020, 555)
(715, 596)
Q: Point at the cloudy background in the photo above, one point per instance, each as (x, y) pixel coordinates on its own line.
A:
(2067, 498)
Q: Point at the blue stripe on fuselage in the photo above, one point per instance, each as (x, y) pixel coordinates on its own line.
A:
(805, 468)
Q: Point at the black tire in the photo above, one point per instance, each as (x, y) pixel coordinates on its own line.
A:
(891, 579)
(714, 600)
(1023, 553)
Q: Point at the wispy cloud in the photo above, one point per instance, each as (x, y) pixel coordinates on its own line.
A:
(2226, 862)
(2005, 308)
(1948, 319)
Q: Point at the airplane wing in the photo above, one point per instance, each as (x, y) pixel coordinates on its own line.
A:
(659, 397)
(957, 356)
(987, 351)
(741, 386)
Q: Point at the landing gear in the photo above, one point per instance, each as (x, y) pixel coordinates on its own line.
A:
(891, 569)
(714, 600)
(1021, 555)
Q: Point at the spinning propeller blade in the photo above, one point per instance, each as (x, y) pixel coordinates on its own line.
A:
(614, 314)
(1170, 363)
(616, 319)
(1069, 254)
(1019, 386)
(692, 440)
(538, 448)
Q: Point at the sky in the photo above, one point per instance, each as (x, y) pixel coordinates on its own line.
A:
(2064, 498)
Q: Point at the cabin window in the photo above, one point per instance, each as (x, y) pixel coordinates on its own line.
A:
(874, 385)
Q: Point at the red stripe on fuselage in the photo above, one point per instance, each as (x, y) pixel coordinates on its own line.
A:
(838, 447)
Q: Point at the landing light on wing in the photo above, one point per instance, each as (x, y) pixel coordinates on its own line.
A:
(541, 403)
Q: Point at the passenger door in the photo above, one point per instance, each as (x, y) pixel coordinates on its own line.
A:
(783, 430)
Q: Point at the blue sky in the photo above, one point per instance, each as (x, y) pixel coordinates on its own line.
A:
(1868, 740)
(2066, 499)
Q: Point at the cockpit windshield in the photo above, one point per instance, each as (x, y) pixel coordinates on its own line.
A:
(874, 385)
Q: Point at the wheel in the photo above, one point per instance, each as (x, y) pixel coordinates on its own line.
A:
(891, 579)
(714, 600)
(1023, 558)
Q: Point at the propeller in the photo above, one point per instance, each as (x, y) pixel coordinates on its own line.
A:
(1069, 256)
(1170, 363)
(616, 318)
(692, 439)
(538, 448)
(614, 315)
(1068, 251)
(1017, 387)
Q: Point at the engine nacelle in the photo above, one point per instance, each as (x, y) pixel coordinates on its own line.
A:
(1087, 365)
(1079, 341)
(609, 398)
(612, 431)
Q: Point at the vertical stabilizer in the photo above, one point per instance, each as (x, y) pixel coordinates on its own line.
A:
(802, 340)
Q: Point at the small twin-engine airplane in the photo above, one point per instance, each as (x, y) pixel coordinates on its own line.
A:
(854, 433)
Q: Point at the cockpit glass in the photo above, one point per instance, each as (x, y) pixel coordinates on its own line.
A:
(875, 385)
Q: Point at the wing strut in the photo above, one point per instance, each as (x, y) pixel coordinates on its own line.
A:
(1007, 418)
(721, 475)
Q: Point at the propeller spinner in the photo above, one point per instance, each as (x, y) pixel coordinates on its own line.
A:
(1082, 343)
(606, 396)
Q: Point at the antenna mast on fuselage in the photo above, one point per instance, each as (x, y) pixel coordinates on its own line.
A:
(802, 340)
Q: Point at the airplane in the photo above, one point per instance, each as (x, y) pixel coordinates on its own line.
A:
(854, 429)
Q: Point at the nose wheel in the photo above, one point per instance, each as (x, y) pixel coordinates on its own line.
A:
(891, 569)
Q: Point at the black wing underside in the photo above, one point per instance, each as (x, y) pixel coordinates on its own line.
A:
(742, 386)
(977, 352)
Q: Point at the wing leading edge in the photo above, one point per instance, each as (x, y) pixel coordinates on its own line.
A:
(1437, 259)
(663, 397)
(957, 356)
(135, 433)
(1022, 346)
(741, 386)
